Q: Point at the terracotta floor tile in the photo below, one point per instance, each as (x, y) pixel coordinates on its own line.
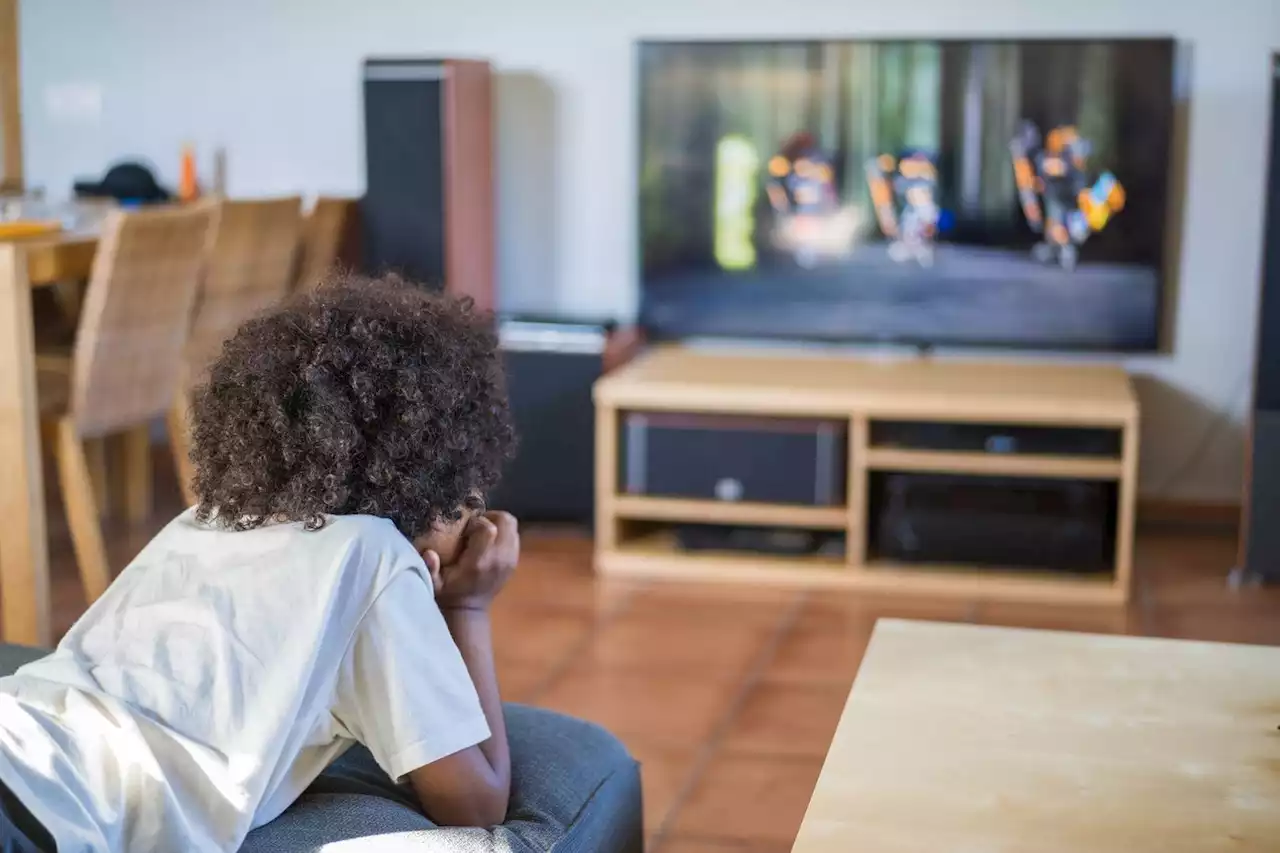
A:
(664, 710)
(718, 845)
(663, 775)
(1191, 568)
(674, 643)
(1092, 620)
(1181, 588)
(1159, 551)
(750, 799)
(881, 606)
(716, 603)
(779, 718)
(556, 571)
(520, 682)
(535, 633)
(824, 645)
(829, 637)
(1256, 624)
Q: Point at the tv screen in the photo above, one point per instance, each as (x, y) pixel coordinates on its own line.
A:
(993, 193)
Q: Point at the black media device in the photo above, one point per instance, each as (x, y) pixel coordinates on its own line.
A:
(776, 541)
(1014, 522)
(997, 438)
(762, 460)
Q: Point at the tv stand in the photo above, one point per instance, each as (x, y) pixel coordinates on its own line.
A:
(1054, 402)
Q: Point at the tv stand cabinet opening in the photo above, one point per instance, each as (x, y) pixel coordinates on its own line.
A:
(873, 398)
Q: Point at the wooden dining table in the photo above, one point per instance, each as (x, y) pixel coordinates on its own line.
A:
(26, 264)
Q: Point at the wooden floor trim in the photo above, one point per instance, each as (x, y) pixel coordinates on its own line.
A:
(1165, 511)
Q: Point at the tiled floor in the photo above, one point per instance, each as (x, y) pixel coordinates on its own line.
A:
(728, 695)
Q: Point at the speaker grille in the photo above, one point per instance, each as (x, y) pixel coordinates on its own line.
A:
(403, 208)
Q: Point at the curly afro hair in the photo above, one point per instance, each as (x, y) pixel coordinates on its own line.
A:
(364, 396)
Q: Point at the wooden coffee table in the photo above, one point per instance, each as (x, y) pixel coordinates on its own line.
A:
(970, 738)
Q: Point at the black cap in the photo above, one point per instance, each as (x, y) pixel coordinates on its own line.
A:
(125, 182)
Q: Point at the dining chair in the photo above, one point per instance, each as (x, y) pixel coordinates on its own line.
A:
(248, 268)
(321, 239)
(124, 366)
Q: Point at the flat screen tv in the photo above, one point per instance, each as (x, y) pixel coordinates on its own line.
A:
(987, 193)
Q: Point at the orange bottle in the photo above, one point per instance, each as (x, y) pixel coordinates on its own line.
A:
(188, 187)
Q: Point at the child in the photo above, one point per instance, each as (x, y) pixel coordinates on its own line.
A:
(331, 587)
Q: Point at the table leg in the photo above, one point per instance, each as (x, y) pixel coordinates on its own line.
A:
(606, 476)
(1127, 508)
(24, 549)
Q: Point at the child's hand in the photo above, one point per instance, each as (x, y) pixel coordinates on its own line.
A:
(488, 558)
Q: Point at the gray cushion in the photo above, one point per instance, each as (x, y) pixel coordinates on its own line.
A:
(574, 789)
(12, 657)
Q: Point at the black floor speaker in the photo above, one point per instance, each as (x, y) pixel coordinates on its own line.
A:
(428, 209)
(1260, 536)
(550, 367)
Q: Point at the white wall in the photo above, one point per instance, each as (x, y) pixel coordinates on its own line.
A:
(277, 84)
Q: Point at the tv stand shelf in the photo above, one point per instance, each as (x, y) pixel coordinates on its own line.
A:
(631, 540)
(645, 508)
(1007, 464)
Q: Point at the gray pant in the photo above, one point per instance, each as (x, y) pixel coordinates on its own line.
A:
(19, 831)
(574, 789)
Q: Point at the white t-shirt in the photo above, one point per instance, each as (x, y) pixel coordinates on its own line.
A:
(221, 673)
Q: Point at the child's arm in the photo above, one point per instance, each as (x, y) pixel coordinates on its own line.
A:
(472, 787)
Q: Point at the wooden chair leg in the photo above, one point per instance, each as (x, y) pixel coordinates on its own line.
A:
(82, 511)
(180, 443)
(95, 454)
(133, 453)
(69, 295)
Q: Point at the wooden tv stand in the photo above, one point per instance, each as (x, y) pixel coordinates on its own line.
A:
(673, 379)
